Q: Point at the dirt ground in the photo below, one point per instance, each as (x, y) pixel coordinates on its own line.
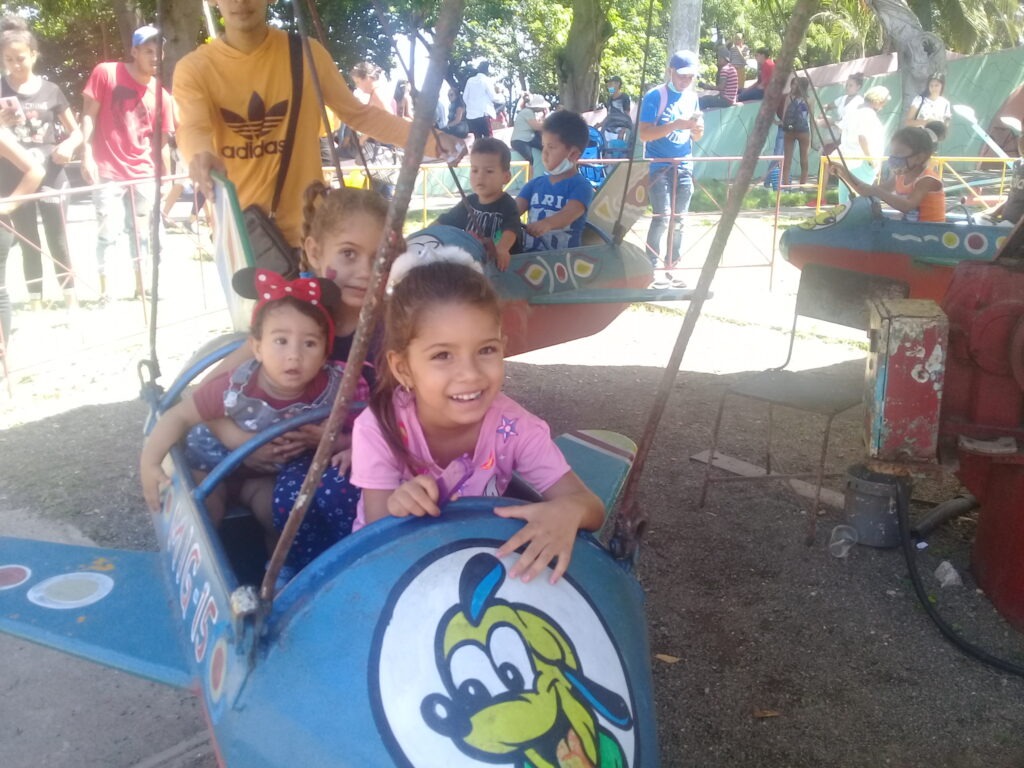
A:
(787, 656)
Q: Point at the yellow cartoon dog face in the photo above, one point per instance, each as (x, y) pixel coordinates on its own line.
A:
(514, 686)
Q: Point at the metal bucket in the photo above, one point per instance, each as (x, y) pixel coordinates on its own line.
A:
(871, 502)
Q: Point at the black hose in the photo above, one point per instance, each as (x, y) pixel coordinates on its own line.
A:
(903, 502)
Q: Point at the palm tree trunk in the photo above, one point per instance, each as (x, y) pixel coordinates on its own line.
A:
(921, 53)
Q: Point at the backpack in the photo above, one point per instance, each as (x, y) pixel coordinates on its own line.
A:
(795, 120)
(662, 100)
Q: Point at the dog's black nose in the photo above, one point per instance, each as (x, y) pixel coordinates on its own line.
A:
(445, 716)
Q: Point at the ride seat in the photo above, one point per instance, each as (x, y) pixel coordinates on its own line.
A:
(825, 293)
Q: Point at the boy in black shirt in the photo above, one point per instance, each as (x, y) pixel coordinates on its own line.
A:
(489, 213)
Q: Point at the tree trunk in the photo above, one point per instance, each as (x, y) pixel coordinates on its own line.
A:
(920, 53)
(129, 18)
(577, 62)
(183, 28)
(684, 26)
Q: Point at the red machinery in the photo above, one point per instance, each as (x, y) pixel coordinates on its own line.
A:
(983, 412)
(975, 405)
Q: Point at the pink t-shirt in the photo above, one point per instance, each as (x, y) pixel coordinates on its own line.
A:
(122, 140)
(511, 440)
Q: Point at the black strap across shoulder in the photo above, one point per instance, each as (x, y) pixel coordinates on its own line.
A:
(295, 61)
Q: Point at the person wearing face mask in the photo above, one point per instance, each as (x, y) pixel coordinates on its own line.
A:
(914, 188)
(670, 121)
(617, 103)
(557, 201)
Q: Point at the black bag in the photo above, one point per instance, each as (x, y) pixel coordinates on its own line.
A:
(459, 130)
(270, 248)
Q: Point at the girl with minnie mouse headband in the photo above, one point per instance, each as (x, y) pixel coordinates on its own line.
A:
(290, 338)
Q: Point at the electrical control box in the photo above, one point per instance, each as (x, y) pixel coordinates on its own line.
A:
(905, 374)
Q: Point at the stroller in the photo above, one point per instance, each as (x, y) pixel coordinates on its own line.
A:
(620, 125)
(595, 174)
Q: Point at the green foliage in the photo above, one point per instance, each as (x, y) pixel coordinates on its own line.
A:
(74, 35)
(623, 56)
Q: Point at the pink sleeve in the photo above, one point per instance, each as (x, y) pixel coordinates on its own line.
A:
(538, 460)
(374, 465)
(209, 396)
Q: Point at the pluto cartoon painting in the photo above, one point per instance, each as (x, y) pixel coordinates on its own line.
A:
(510, 677)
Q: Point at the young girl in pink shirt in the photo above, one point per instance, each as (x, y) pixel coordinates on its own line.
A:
(439, 426)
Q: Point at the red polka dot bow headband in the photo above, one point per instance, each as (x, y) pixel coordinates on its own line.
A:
(266, 286)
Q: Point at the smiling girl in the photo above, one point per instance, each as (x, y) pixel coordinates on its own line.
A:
(439, 426)
(42, 113)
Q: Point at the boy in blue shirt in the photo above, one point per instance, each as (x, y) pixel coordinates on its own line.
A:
(558, 200)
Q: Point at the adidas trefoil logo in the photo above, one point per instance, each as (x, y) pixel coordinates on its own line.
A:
(259, 122)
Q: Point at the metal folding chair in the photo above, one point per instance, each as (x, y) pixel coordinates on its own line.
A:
(825, 293)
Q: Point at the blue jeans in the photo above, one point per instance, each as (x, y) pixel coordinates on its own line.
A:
(123, 209)
(663, 181)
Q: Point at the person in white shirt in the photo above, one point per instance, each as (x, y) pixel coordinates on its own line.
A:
(864, 137)
(830, 124)
(930, 105)
(479, 96)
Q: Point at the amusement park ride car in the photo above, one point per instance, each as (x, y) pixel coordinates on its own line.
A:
(404, 644)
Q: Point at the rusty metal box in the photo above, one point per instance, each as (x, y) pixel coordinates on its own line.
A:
(903, 386)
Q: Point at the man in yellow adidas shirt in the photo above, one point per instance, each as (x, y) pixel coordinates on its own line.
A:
(234, 96)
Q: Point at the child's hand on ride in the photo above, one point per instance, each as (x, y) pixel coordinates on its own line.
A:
(538, 228)
(308, 434)
(268, 458)
(153, 479)
(342, 460)
(549, 534)
(502, 258)
(415, 497)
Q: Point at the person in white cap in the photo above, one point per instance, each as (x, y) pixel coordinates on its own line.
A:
(118, 123)
(670, 121)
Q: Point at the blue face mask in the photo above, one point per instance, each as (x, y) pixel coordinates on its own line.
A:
(563, 167)
(611, 89)
(898, 163)
(672, 86)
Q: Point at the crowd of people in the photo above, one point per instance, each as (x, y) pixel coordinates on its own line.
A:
(261, 135)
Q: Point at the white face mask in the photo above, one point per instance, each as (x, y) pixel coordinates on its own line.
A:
(563, 167)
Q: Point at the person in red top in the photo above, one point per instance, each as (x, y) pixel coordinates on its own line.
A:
(765, 70)
(118, 123)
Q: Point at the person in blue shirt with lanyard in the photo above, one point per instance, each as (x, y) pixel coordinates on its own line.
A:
(670, 121)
